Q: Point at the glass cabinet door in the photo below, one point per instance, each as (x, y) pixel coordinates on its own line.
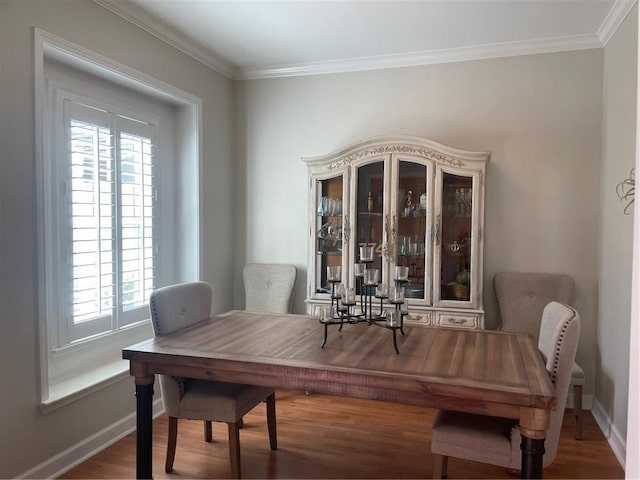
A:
(455, 254)
(329, 230)
(411, 244)
(416, 209)
(369, 227)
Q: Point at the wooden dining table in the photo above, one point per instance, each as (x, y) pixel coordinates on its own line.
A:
(478, 371)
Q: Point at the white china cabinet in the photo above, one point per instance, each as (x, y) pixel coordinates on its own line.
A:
(420, 204)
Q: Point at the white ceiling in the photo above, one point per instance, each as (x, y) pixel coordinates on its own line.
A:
(256, 39)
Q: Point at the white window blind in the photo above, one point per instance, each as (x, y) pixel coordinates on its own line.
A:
(110, 206)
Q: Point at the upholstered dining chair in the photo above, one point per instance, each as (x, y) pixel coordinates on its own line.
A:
(521, 299)
(176, 307)
(269, 287)
(497, 440)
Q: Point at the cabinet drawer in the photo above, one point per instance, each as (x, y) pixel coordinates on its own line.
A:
(452, 319)
(418, 318)
(313, 309)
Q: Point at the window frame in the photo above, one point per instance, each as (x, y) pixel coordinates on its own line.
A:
(101, 355)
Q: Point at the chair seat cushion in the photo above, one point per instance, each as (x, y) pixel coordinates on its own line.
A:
(474, 437)
(220, 401)
(577, 375)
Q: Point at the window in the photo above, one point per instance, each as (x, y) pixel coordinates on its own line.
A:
(109, 257)
(101, 234)
(118, 195)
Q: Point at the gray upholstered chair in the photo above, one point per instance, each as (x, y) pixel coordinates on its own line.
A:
(521, 299)
(178, 306)
(497, 440)
(269, 287)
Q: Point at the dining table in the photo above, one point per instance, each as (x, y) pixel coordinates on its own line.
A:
(477, 371)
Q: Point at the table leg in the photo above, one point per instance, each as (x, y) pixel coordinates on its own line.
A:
(532, 453)
(144, 407)
(533, 430)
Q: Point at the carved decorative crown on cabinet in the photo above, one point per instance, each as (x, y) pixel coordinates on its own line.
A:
(420, 204)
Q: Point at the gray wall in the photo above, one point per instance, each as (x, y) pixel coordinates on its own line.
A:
(540, 115)
(616, 229)
(27, 437)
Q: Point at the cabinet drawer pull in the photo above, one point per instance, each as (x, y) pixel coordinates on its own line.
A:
(455, 321)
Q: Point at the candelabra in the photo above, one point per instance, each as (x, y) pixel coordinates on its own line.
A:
(345, 309)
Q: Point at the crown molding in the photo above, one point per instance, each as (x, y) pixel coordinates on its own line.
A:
(150, 25)
(138, 17)
(428, 57)
(614, 19)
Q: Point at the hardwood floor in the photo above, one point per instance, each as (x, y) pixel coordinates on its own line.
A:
(335, 437)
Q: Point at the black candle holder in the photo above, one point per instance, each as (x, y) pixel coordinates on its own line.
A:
(345, 312)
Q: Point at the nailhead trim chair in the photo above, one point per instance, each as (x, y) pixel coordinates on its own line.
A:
(176, 307)
(521, 299)
(269, 287)
(497, 440)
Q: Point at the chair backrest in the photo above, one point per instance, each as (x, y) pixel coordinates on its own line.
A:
(172, 308)
(177, 306)
(558, 343)
(269, 287)
(522, 298)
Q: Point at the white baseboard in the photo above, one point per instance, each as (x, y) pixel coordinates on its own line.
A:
(611, 433)
(58, 464)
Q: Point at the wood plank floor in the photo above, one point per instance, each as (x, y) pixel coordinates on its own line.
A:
(335, 437)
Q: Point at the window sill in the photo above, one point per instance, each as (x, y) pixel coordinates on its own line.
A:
(65, 392)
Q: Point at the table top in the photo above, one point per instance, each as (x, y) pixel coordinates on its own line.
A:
(479, 371)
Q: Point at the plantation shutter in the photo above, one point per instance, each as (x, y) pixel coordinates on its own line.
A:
(110, 203)
(137, 196)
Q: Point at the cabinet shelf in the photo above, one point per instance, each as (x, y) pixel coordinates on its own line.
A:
(420, 217)
(330, 252)
(330, 246)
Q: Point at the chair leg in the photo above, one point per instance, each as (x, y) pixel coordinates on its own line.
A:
(234, 448)
(440, 466)
(171, 444)
(208, 431)
(271, 421)
(577, 410)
